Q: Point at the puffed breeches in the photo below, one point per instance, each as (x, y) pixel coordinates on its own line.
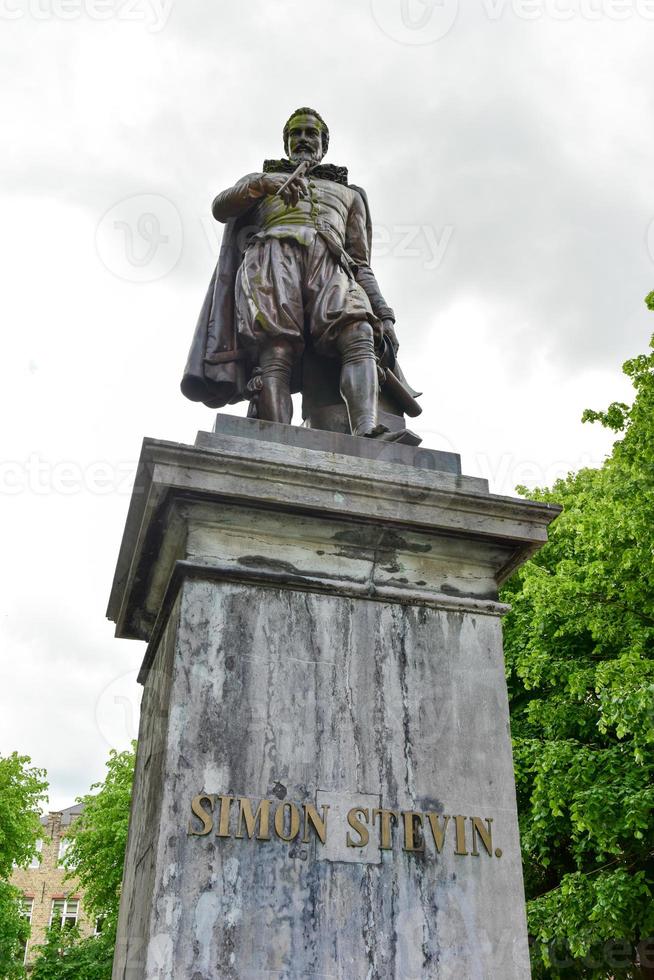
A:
(289, 291)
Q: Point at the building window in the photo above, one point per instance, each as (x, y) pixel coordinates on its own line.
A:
(99, 925)
(27, 907)
(64, 844)
(64, 912)
(36, 860)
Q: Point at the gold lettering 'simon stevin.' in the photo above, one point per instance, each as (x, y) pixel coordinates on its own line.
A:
(412, 831)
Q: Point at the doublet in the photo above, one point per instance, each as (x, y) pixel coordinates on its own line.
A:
(306, 268)
(331, 209)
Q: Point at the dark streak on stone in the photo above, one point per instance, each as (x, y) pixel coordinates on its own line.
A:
(352, 553)
(360, 537)
(406, 726)
(394, 937)
(348, 646)
(369, 939)
(260, 561)
(429, 804)
(387, 780)
(390, 541)
(460, 593)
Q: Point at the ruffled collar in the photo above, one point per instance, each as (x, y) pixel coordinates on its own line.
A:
(323, 171)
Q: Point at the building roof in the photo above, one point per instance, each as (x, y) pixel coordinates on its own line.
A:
(67, 815)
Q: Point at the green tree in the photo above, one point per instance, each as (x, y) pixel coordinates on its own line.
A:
(22, 791)
(98, 838)
(95, 857)
(14, 932)
(579, 647)
(65, 956)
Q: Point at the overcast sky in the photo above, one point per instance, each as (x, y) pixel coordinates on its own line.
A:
(507, 148)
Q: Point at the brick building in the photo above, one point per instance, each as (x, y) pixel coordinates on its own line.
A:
(47, 896)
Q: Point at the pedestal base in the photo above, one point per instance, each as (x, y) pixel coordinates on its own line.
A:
(324, 782)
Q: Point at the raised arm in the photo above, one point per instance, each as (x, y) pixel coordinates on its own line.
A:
(238, 200)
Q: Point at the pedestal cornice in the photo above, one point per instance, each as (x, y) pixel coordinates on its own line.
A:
(228, 506)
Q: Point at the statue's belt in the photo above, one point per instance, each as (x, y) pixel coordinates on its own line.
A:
(342, 257)
(334, 246)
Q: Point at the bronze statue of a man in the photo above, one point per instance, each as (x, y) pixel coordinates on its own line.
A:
(294, 271)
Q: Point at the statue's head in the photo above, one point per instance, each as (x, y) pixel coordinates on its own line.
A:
(306, 136)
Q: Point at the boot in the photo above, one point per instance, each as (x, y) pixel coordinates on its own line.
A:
(274, 403)
(358, 383)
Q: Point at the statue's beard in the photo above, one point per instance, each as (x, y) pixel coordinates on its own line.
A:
(305, 153)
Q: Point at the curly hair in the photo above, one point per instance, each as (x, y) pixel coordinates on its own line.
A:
(306, 111)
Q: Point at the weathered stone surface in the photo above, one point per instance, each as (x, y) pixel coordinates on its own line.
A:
(308, 649)
(323, 488)
(335, 847)
(336, 442)
(282, 694)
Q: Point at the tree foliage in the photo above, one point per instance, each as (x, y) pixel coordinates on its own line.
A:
(579, 647)
(98, 838)
(95, 857)
(14, 933)
(65, 956)
(22, 791)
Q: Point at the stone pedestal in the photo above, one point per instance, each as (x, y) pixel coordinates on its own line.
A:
(324, 784)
